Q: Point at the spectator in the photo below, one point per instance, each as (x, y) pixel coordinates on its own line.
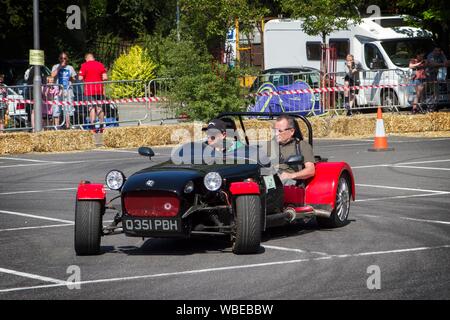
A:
(3, 104)
(418, 65)
(437, 64)
(51, 93)
(93, 71)
(352, 69)
(65, 74)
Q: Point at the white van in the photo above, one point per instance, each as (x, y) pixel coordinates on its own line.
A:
(378, 43)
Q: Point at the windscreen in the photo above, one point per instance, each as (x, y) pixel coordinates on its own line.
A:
(401, 51)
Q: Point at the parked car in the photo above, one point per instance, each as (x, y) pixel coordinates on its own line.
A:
(16, 110)
(238, 199)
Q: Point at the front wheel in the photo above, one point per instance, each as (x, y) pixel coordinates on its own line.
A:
(88, 227)
(338, 217)
(246, 236)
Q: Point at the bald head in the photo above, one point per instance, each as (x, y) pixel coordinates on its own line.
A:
(89, 57)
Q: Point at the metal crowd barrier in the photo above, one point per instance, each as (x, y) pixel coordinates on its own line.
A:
(386, 88)
(306, 103)
(20, 114)
(435, 95)
(122, 102)
(164, 109)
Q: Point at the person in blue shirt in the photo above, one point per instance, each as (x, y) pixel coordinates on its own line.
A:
(64, 74)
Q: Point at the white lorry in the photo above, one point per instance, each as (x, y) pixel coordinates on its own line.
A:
(379, 43)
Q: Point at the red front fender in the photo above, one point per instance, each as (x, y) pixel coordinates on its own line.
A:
(91, 191)
(241, 188)
(321, 190)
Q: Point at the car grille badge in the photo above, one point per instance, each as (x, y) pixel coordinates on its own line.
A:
(150, 183)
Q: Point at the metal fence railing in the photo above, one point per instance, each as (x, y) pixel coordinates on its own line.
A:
(164, 109)
(133, 102)
(109, 103)
(368, 89)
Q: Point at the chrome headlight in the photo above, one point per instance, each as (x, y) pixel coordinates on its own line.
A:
(115, 179)
(189, 187)
(212, 181)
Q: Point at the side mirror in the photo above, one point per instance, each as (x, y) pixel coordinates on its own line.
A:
(146, 152)
(294, 160)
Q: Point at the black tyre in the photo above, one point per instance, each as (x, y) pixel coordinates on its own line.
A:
(88, 227)
(338, 217)
(246, 237)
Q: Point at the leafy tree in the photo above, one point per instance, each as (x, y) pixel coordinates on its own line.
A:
(134, 65)
(435, 16)
(199, 86)
(324, 16)
(208, 21)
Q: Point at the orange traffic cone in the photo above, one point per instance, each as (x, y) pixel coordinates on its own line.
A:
(380, 143)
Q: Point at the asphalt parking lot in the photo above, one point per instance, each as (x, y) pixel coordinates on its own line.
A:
(400, 223)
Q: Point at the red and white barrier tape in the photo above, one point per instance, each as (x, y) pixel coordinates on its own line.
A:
(86, 102)
(328, 89)
(261, 94)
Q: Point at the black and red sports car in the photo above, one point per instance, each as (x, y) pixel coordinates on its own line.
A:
(237, 198)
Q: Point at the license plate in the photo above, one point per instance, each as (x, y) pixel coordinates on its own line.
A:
(165, 225)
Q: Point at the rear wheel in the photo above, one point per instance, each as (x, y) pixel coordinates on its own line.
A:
(338, 217)
(246, 236)
(88, 227)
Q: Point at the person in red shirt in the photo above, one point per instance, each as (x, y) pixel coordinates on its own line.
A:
(92, 72)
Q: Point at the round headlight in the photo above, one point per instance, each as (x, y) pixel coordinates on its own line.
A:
(212, 181)
(189, 187)
(115, 179)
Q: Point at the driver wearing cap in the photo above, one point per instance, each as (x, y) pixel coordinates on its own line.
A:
(216, 132)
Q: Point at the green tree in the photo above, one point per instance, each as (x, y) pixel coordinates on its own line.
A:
(134, 65)
(434, 15)
(208, 21)
(324, 16)
(200, 87)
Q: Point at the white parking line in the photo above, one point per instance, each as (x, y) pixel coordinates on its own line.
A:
(38, 227)
(221, 269)
(391, 141)
(421, 162)
(426, 220)
(399, 164)
(405, 218)
(33, 276)
(35, 216)
(399, 188)
(29, 165)
(46, 226)
(70, 162)
(30, 160)
(421, 168)
(36, 191)
(403, 197)
(294, 250)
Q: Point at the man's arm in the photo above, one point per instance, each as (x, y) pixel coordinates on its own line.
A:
(55, 70)
(308, 172)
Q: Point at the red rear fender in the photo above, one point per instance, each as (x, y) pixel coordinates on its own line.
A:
(321, 190)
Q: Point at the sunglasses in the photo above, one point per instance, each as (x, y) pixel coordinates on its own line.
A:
(281, 130)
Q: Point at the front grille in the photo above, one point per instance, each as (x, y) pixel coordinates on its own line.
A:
(152, 204)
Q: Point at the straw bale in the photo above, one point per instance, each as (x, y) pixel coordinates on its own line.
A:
(15, 143)
(58, 141)
(441, 121)
(132, 137)
(408, 123)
